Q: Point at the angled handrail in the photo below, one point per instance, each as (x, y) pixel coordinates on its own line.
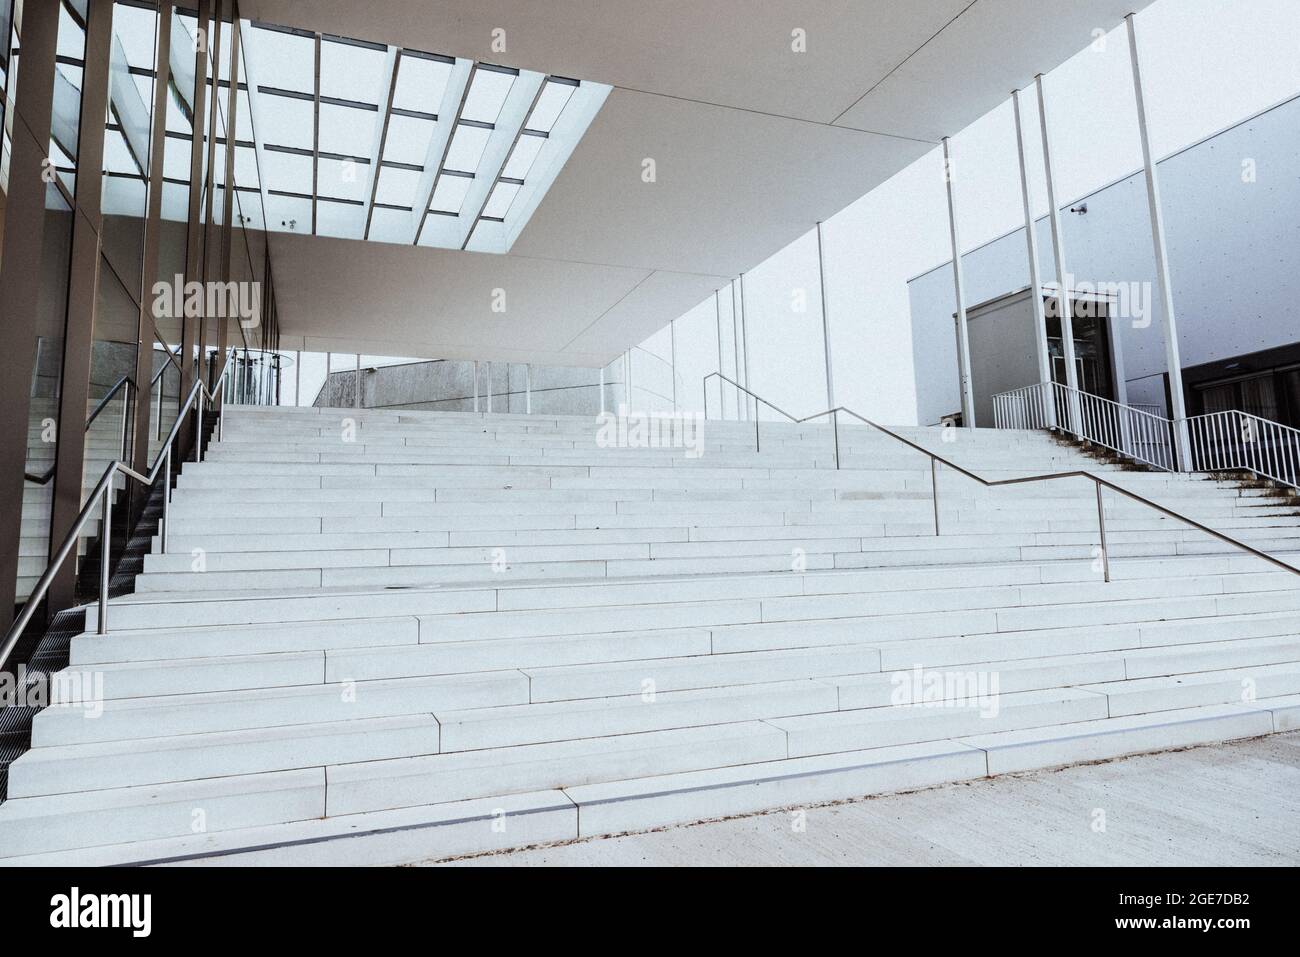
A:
(125, 382)
(100, 496)
(1098, 482)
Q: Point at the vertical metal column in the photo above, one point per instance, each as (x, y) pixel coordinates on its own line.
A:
(672, 352)
(356, 385)
(528, 389)
(1173, 360)
(79, 329)
(475, 385)
(20, 279)
(744, 335)
(722, 389)
(959, 288)
(488, 385)
(742, 400)
(602, 390)
(1035, 278)
(826, 328)
(1064, 308)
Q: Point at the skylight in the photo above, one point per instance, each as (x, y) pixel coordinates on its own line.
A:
(404, 146)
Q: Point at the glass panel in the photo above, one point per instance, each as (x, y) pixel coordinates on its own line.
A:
(283, 60)
(345, 220)
(397, 186)
(408, 139)
(288, 214)
(346, 129)
(487, 94)
(289, 121)
(498, 203)
(525, 153)
(350, 72)
(420, 84)
(342, 179)
(467, 145)
(391, 225)
(450, 192)
(555, 96)
(290, 172)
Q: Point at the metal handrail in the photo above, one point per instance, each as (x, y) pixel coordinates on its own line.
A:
(1098, 482)
(125, 382)
(163, 463)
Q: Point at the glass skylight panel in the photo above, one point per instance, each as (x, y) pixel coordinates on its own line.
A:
(421, 83)
(397, 186)
(524, 155)
(175, 202)
(407, 140)
(498, 204)
(342, 179)
(117, 157)
(72, 39)
(134, 29)
(288, 214)
(346, 129)
(286, 121)
(287, 171)
(177, 121)
(245, 167)
(467, 145)
(344, 220)
(449, 194)
(487, 94)
(243, 117)
(554, 98)
(176, 159)
(351, 72)
(285, 61)
(391, 225)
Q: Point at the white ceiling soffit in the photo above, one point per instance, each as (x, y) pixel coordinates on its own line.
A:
(752, 142)
(465, 305)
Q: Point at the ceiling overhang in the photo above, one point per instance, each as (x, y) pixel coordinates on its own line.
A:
(732, 128)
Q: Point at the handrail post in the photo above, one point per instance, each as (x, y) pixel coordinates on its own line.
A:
(105, 549)
(757, 447)
(835, 426)
(1101, 527)
(198, 440)
(164, 524)
(934, 491)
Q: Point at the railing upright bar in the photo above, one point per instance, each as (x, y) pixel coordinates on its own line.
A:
(934, 490)
(105, 552)
(1101, 527)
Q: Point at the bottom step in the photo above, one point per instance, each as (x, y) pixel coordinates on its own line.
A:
(433, 832)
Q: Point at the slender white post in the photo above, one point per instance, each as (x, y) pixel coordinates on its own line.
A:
(1064, 309)
(1035, 279)
(722, 386)
(959, 289)
(475, 385)
(488, 386)
(742, 401)
(744, 338)
(672, 351)
(602, 390)
(528, 389)
(826, 328)
(297, 378)
(1173, 361)
(329, 365)
(356, 394)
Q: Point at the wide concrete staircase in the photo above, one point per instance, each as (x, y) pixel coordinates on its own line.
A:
(380, 637)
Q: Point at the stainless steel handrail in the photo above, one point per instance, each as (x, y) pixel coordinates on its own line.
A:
(1098, 482)
(163, 463)
(125, 382)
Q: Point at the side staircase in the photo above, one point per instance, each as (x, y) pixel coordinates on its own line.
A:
(379, 637)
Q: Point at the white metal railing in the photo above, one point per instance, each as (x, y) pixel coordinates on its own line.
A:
(1144, 436)
(1223, 441)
